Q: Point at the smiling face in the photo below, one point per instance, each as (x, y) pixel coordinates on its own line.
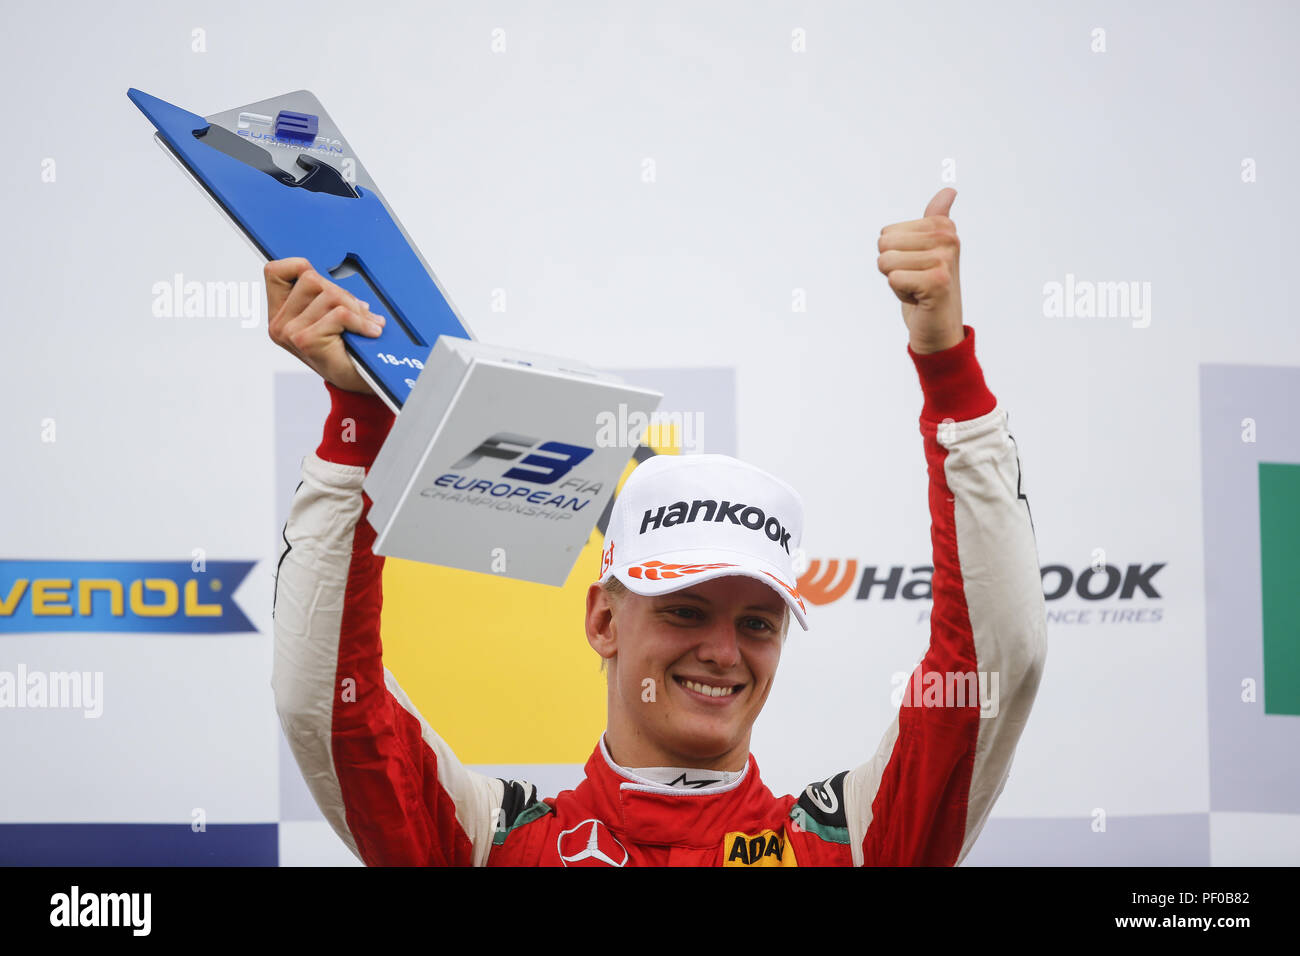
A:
(688, 672)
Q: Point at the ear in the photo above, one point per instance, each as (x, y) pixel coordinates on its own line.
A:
(602, 634)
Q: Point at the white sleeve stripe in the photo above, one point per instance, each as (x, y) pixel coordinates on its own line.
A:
(308, 618)
(477, 798)
(998, 561)
(860, 788)
(1004, 597)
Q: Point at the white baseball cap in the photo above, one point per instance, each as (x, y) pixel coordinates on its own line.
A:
(681, 520)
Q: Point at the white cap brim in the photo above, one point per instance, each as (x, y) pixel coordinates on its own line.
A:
(674, 572)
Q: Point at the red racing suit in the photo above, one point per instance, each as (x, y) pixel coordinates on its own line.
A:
(396, 794)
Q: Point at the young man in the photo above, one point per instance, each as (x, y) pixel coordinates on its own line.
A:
(690, 614)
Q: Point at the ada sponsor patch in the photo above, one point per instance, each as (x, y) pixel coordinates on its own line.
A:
(767, 848)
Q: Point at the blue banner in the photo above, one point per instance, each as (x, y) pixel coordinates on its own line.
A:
(141, 597)
(138, 844)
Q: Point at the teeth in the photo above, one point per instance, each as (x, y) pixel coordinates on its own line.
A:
(709, 691)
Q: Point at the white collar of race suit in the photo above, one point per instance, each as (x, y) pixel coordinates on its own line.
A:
(690, 779)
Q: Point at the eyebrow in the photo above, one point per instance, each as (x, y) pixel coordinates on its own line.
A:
(773, 608)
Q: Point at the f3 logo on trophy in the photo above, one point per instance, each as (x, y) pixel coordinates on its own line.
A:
(565, 457)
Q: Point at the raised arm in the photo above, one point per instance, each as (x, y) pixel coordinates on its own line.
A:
(924, 796)
(388, 785)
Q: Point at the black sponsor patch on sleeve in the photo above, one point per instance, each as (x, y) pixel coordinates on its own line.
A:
(518, 797)
(822, 802)
(520, 806)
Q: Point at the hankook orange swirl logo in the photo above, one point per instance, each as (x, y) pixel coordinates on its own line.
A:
(823, 587)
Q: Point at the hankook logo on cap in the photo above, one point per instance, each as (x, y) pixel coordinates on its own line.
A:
(747, 516)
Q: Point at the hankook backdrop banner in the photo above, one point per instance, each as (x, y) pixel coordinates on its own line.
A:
(688, 195)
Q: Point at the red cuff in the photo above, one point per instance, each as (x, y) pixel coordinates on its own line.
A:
(356, 427)
(953, 382)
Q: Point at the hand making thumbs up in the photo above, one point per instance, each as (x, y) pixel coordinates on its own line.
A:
(919, 257)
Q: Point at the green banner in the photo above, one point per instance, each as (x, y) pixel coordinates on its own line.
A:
(1279, 545)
